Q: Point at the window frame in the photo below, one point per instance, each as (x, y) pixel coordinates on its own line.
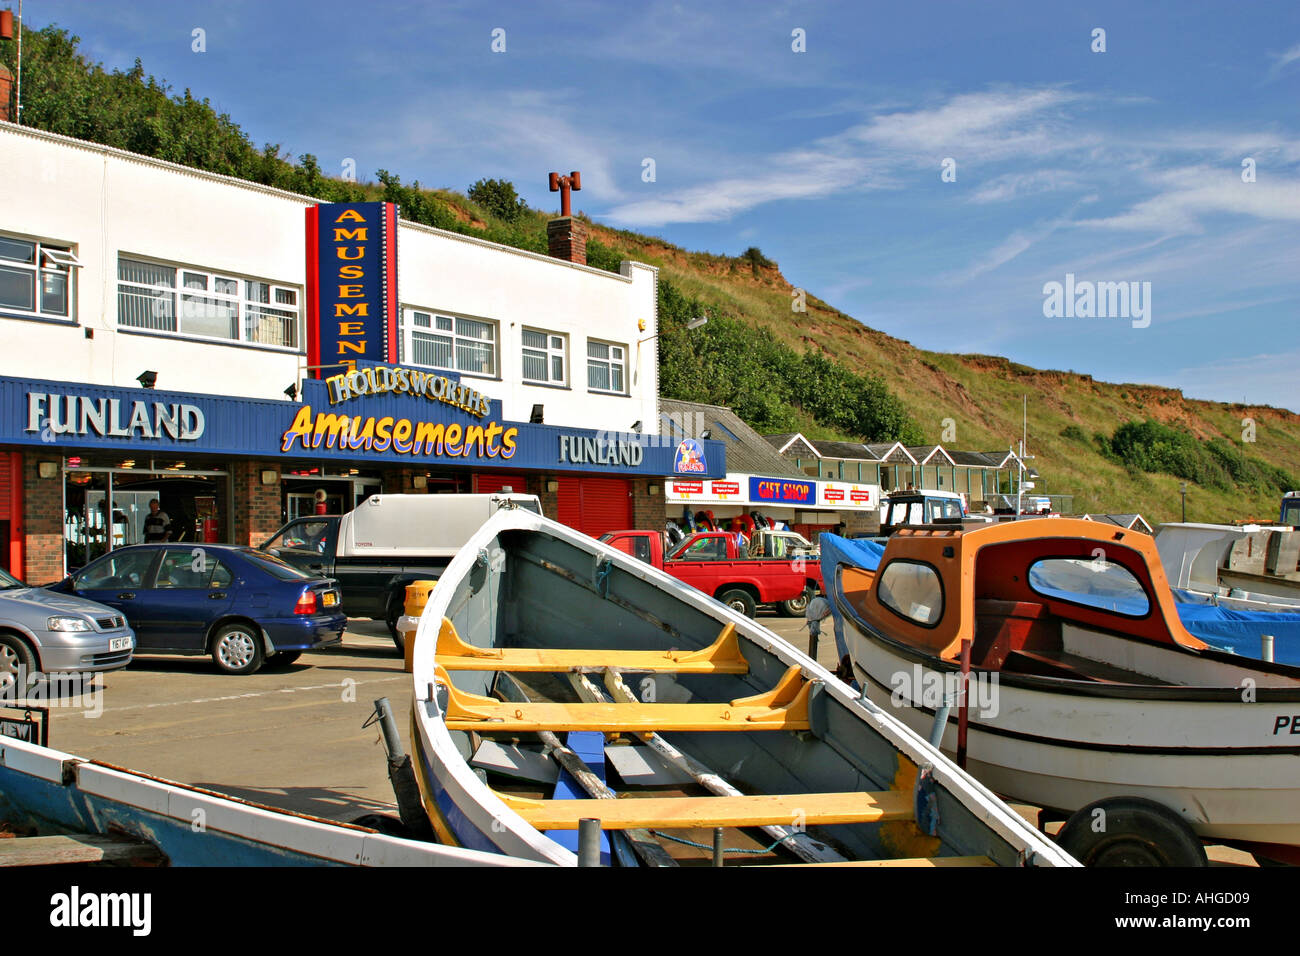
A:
(49, 257)
(943, 596)
(549, 352)
(609, 362)
(247, 307)
(409, 330)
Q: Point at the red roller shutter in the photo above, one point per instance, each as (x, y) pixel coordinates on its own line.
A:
(595, 505)
(6, 483)
(491, 484)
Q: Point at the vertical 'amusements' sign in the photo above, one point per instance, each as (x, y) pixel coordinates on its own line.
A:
(351, 285)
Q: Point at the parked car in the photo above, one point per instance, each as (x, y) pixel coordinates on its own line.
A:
(242, 606)
(713, 562)
(41, 632)
(389, 541)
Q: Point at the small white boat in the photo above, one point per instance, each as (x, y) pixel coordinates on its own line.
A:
(1085, 691)
(684, 727)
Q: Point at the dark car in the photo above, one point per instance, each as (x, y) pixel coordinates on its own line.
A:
(242, 606)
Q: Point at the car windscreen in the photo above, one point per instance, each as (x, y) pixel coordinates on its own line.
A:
(273, 566)
(7, 580)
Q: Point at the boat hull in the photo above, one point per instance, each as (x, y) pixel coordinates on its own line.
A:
(1229, 767)
(48, 792)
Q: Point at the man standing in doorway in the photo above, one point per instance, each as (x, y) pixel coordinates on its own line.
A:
(158, 526)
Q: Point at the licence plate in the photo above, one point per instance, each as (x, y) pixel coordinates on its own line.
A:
(119, 643)
(331, 599)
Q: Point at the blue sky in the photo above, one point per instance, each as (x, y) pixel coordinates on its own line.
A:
(1115, 166)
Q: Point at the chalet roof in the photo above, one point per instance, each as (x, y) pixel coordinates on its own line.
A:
(747, 451)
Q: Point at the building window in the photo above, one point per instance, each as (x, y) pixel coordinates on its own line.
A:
(606, 367)
(37, 278)
(210, 305)
(451, 342)
(544, 357)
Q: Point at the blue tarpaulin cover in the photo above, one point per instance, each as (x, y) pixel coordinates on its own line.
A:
(1230, 630)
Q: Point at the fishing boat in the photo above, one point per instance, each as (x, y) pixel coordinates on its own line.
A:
(59, 808)
(559, 680)
(1084, 694)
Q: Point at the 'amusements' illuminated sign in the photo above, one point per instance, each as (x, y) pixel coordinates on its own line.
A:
(351, 285)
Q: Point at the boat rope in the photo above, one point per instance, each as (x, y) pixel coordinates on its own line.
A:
(709, 846)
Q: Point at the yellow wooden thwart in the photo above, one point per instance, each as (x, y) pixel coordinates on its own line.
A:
(743, 811)
(721, 657)
(784, 707)
(914, 861)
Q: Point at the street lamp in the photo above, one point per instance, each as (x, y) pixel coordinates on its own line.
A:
(1183, 491)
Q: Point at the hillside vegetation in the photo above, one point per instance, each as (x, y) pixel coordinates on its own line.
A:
(1116, 447)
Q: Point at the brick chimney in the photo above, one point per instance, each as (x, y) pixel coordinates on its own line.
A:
(566, 237)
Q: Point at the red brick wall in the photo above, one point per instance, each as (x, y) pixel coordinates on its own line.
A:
(255, 511)
(42, 524)
(536, 485)
(649, 512)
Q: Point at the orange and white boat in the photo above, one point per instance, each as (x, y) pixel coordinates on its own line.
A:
(1084, 694)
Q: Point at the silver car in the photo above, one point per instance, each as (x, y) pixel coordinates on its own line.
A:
(45, 632)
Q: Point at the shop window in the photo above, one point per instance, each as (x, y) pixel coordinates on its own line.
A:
(195, 302)
(606, 367)
(450, 342)
(544, 357)
(37, 278)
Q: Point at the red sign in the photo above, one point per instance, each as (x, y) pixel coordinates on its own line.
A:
(688, 487)
(862, 496)
(834, 494)
(725, 487)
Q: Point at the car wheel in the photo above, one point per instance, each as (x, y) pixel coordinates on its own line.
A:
(739, 600)
(283, 658)
(795, 606)
(237, 649)
(396, 608)
(17, 661)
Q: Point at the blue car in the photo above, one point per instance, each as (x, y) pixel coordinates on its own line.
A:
(242, 606)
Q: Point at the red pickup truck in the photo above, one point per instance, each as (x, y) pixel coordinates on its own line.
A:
(713, 562)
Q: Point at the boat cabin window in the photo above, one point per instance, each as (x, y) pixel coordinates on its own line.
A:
(1092, 582)
(913, 591)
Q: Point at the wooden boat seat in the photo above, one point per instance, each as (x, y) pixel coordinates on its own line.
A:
(721, 657)
(784, 707)
(743, 811)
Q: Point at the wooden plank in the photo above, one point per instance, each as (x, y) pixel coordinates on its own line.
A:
(721, 657)
(801, 844)
(916, 861)
(743, 811)
(511, 760)
(783, 708)
(643, 844)
(77, 848)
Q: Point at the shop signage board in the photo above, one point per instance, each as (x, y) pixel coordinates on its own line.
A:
(782, 491)
(734, 489)
(376, 414)
(847, 495)
(351, 285)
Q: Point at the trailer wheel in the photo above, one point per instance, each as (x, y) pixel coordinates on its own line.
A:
(740, 600)
(1130, 831)
(796, 606)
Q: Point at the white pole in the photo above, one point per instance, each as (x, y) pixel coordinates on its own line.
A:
(1266, 642)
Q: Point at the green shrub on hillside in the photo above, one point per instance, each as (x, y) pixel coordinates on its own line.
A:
(1150, 446)
(498, 197)
(1075, 433)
